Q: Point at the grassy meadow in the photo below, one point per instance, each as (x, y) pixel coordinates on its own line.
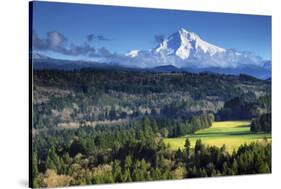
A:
(231, 133)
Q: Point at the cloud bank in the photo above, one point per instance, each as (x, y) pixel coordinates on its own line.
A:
(57, 42)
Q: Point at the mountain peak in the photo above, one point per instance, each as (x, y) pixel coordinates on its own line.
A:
(186, 49)
(183, 30)
(185, 44)
(187, 34)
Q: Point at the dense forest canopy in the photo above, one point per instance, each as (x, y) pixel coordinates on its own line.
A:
(134, 153)
(89, 96)
(107, 126)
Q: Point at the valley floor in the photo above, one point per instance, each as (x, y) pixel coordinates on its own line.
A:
(231, 133)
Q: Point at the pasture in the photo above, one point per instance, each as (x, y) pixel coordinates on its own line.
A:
(231, 133)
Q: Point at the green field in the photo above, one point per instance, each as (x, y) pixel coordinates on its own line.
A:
(230, 133)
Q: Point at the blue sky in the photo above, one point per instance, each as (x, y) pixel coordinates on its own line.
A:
(120, 29)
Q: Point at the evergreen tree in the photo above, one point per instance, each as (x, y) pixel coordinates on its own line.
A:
(53, 160)
(187, 147)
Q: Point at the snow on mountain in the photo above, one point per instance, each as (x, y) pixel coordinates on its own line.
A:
(185, 49)
(185, 44)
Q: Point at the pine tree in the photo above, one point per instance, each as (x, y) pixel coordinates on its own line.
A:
(117, 174)
(53, 160)
(187, 147)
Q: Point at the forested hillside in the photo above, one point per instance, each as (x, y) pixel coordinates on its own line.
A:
(108, 126)
(135, 152)
(87, 97)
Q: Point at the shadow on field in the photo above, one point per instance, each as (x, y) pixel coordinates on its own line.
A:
(217, 134)
(244, 126)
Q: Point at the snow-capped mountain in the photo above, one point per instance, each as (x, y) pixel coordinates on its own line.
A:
(184, 44)
(185, 49)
